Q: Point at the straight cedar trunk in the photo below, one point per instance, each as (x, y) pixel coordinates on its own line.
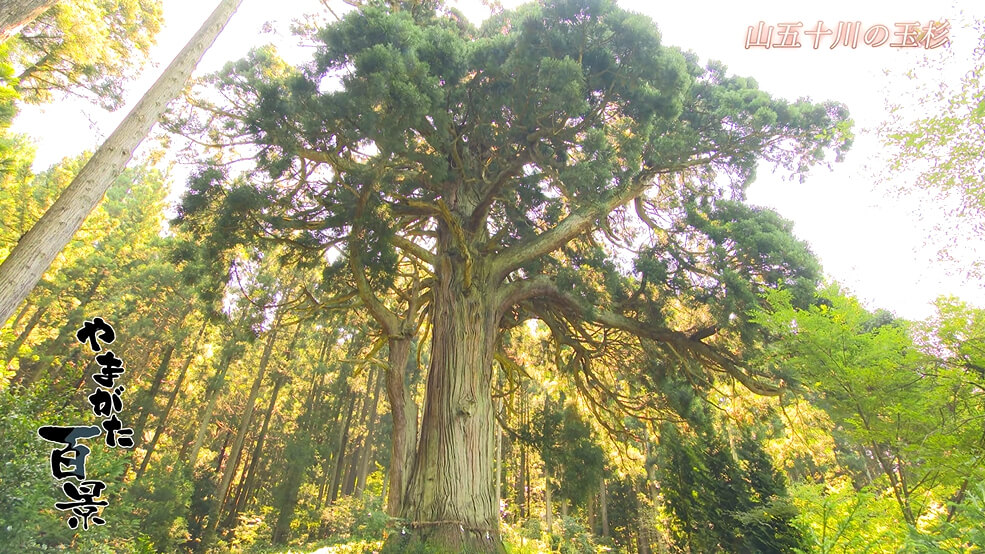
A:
(16, 13)
(548, 508)
(450, 499)
(367, 455)
(355, 457)
(147, 405)
(35, 251)
(31, 324)
(403, 410)
(249, 476)
(604, 509)
(244, 426)
(20, 315)
(341, 445)
(162, 423)
(26, 376)
(300, 457)
(213, 394)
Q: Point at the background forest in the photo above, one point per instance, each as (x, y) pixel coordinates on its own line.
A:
(478, 287)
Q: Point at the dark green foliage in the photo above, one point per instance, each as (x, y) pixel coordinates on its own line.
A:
(160, 501)
(567, 445)
(27, 490)
(722, 496)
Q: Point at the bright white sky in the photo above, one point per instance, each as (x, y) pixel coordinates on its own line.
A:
(866, 240)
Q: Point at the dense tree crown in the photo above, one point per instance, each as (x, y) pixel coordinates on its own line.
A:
(549, 149)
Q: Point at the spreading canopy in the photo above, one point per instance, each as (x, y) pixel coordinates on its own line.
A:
(589, 175)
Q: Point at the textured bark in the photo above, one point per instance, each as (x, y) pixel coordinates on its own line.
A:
(499, 463)
(35, 251)
(450, 500)
(16, 13)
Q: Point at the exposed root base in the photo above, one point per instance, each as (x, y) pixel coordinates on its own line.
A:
(442, 539)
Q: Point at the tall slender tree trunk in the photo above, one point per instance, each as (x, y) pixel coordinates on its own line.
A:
(403, 410)
(244, 426)
(526, 464)
(249, 475)
(548, 508)
(604, 509)
(521, 481)
(367, 454)
(31, 324)
(341, 445)
(17, 13)
(162, 423)
(302, 455)
(351, 473)
(147, 404)
(35, 251)
(212, 393)
(26, 376)
(450, 500)
(20, 315)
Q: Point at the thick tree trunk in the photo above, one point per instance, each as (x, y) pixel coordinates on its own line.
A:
(499, 463)
(17, 13)
(450, 500)
(403, 409)
(35, 251)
